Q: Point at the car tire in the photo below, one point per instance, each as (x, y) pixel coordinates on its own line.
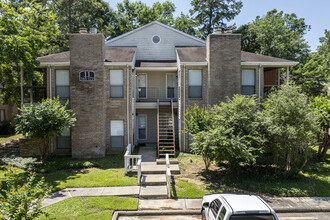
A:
(203, 215)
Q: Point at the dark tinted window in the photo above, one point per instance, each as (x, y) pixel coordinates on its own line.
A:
(252, 217)
(222, 213)
(215, 206)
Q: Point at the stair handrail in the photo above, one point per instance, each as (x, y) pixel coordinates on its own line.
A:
(168, 176)
(132, 162)
(158, 125)
(173, 127)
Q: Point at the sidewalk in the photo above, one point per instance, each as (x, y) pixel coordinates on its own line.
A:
(280, 205)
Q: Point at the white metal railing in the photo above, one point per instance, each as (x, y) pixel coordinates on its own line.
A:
(168, 176)
(132, 162)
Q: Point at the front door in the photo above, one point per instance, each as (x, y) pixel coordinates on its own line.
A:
(170, 86)
(141, 81)
(142, 127)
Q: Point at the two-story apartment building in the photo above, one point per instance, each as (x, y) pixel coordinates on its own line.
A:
(135, 88)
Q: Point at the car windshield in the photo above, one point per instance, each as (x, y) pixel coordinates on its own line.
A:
(252, 217)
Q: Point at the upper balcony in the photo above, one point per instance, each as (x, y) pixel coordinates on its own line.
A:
(152, 94)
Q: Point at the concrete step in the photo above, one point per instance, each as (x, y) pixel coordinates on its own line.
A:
(153, 192)
(153, 179)
(153, 168)
(163, 161)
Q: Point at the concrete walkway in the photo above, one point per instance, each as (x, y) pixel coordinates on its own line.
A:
(280, 205)
(148, 154)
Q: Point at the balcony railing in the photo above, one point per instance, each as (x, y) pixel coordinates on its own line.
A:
(152, 94)
(37, 93)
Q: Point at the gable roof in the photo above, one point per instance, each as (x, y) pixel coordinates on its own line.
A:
(112, 54)
(198, 54)
(152, 23)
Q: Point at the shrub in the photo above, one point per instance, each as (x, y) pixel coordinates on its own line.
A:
(22, 201)
(7, 128)
(291, 127)
(44, 121)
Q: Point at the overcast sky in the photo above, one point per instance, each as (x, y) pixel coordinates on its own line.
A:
(315, 12)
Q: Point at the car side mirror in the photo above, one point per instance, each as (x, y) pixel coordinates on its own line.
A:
(206, 205)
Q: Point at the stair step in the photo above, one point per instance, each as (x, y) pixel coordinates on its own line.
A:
(163, 161)
(153, 179)
(153, 192)
(168, 146)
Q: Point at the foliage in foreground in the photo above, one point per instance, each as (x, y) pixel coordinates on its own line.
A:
(240, 132)
(44, 121)
(321, 106)
(17, 199)
(89, 207)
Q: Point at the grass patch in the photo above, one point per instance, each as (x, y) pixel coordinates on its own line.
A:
(89, 207)
(7, 138)
(314, 180)
(63, 172)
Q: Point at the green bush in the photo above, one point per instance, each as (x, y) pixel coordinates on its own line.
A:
(7, 128)
(22, 201)
(291, 128)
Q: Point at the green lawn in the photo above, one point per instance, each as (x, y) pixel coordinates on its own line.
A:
(7, 138)
(194, 181)
(62, 172)
(89, 207)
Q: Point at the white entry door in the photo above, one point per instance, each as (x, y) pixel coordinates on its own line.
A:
(142, 127)
(170, 85)
(141, 81)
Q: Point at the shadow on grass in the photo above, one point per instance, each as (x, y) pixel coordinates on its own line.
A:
(261, 181)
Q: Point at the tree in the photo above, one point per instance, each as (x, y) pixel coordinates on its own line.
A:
(44, 121)
(74, 14)
(291, 126)
(321, 105)
(131, 15)
(277, 34)
(185, 24)
(314, 74)
(22, 201)
(211, 13)
(26, 32)
(237, 131)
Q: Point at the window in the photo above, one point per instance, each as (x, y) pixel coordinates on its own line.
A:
(170, 84)
(116, 84)
(86, 76)
(248, 82)
(222, 214)
(141, 81)
(195, 84)
(62, 84)
(214, 207)
(64, 140)
(117, 134)
(156, 39)
(142, 127)
(2, 115)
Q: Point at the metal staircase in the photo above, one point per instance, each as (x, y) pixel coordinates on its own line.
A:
(165, 130)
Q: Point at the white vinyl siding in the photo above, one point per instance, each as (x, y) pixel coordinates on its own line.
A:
(62, 84)
(195, 84)
(116, 84)
(164, 50)
(248, 82)
(117, 134)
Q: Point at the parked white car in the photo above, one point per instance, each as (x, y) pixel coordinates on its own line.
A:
(236, 207)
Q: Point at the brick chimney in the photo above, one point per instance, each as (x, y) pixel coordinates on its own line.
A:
(87, 95)
(224, 66)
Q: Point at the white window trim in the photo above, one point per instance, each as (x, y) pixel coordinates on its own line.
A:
(255, 79)
(56, 85)
(137, 127)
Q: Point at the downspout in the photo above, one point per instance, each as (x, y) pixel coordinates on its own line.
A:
(127, 105)
(259, 84)
(22, 84)
(184, 106)
(50, 82)
(287, 74)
